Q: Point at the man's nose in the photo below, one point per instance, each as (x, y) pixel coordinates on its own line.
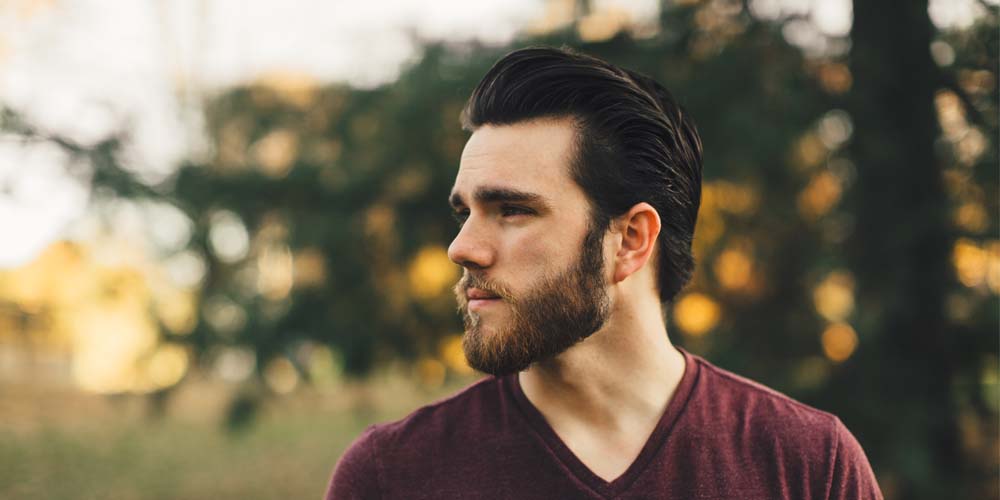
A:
(471, 248)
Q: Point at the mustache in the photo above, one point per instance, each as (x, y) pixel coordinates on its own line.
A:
(495, 287)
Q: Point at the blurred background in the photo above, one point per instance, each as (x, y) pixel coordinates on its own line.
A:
(224, 225)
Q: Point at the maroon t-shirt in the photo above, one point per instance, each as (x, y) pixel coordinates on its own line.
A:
(721, 437)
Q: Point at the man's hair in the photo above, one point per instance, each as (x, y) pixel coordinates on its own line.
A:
(634, 143)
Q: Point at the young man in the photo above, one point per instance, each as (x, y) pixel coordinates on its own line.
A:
(577, 195)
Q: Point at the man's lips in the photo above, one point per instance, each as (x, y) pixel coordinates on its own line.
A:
(480, 299)
(479, 294)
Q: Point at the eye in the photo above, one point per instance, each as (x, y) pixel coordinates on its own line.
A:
(512, 210)
(460, 216)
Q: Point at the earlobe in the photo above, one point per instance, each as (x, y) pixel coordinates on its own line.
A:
(640, 227)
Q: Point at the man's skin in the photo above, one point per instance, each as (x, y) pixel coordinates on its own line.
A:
(605, 395)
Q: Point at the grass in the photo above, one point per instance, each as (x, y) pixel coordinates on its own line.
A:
(89, 447)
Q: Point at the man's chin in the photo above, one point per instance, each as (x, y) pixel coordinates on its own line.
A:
(484, 332)
(493, 318)
(488, 349)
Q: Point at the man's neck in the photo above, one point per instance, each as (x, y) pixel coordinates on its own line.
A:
(616, 382)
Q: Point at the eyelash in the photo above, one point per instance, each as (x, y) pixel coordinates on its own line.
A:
(511, 210)
(506, 211)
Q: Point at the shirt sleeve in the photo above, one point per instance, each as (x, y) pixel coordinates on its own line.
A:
(853, 478)
(356, 474)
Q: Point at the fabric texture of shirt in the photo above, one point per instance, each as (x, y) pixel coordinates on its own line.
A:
(721, 436)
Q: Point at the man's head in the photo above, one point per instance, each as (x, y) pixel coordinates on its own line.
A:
(566, 148)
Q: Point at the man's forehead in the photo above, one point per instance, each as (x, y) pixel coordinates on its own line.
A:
(531, 157)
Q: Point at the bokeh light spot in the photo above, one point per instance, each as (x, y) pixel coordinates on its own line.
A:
(454, 356)
(167, 365)
(234, 364)
(733, 268)
(309, 268)
(275, 272)
(819, 196)
(696, 314)
(431, 272)
(281, 376)
(276, 152)
(839, 342)
(227, 236)
(834, 296)
(970, 262)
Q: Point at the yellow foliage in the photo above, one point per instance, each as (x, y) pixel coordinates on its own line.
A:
(603, 24)
(110, 342)
(453, 355)
(971, 262)
(103, 315)
(708, 230)
(167, 365)
(734, 268)
(558, 13)
(297, 89)
(177, 311)
(275, 272)
(819, 196)
(971, 216)
(839, 342)
(696, 314)
(834, 296)
(281, 376)
(950, 115)
(993, 267)
(808, 152)
(431, 272)
(835, 78)
(276, 152)
(379, 222)
(309, 268)
(60, 276)
(731, 197)
(430, 372)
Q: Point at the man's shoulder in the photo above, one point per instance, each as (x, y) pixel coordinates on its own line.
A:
(747, 417)
(737, 397)
(469, 411)
(428, 441)
(760, 424)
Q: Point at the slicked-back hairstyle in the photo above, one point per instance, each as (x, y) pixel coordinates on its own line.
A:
(634, 142)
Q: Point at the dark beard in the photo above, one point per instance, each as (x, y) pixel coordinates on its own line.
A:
(555, 314)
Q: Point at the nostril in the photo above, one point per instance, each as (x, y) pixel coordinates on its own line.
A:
(468, 264)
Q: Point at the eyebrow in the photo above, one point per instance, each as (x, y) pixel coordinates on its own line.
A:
(497, 195)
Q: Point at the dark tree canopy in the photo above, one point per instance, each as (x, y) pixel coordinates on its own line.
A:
(848, 198)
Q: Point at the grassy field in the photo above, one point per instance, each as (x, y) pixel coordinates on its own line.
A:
(66, 445)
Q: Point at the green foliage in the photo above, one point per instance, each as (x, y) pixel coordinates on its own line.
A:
(360, 178)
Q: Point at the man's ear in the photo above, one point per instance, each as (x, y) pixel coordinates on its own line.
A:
(640, 227)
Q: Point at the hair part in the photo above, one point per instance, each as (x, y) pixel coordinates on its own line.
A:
(634, 142)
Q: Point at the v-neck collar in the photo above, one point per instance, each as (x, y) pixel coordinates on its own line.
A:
(653, 444)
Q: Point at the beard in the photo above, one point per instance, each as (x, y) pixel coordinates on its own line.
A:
(555, 314)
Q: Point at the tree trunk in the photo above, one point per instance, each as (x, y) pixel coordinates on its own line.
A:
(900, 248)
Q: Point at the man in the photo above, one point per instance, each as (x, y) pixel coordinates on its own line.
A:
(576, 196)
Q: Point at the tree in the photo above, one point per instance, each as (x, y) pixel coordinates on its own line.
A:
(842, 192)
(901, 251)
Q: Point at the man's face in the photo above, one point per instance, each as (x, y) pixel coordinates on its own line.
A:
(534, 281)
